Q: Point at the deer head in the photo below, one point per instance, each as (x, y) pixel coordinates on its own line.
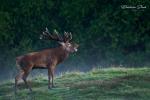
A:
(64, 41)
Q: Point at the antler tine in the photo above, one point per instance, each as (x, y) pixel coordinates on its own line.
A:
(57, 35)
(47, 35)
(47, 30)
(65, 36)
(55, 31)
(70, 36)
(44, 35)
(41, 37)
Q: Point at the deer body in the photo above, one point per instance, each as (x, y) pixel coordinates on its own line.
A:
(42, 58)
(47, 58)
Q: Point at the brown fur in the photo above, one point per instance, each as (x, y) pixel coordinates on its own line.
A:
(48, 58)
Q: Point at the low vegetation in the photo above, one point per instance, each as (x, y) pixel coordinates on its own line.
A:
(97, 84)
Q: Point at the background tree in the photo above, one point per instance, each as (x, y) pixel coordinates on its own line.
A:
(107, 34)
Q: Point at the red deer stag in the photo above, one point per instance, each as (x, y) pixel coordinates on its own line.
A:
(47, 58)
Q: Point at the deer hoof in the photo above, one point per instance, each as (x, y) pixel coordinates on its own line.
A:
(49, 87)
(53, 86)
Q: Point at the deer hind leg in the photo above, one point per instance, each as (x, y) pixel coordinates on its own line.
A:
(17, 78)
(25, 75)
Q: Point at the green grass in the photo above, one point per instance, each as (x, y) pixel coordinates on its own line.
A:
(97, 84)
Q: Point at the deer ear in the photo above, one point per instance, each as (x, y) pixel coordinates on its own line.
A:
(61, 43)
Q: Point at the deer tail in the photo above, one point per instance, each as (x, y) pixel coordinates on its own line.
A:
(18, 62)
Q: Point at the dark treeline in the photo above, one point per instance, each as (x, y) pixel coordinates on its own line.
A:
(108, 35)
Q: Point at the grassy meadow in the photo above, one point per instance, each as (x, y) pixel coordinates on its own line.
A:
(97, 84)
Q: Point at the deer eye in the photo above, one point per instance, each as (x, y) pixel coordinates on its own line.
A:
(69, 44)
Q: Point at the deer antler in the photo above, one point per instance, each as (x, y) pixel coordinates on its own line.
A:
(55, 36)
(47, 35)
(67, 36)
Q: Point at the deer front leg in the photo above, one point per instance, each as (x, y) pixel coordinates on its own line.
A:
(52, 75)
(49, 78)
